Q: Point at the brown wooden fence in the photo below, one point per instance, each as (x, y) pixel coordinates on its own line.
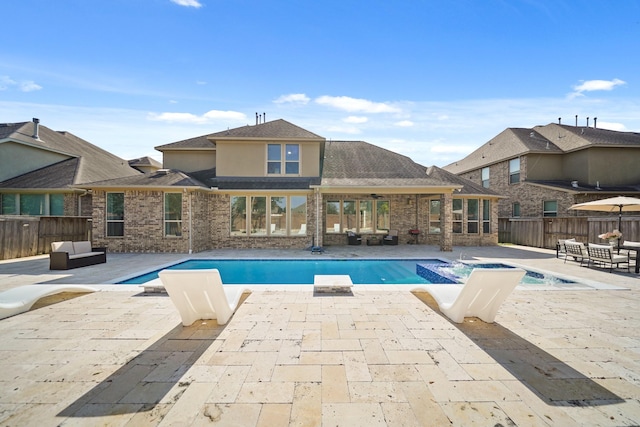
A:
(22, 236)
(545, 232)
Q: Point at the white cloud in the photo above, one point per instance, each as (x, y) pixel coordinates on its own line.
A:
(612, 126)
(7, 83)
(349, 130)
(207, 117)
(29, 86)
(188, 3)
(347, 103)
(355, 119)
(404, 124)
(594, 85)
(292, 98)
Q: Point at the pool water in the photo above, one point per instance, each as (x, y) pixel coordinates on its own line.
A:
(271, 272)
(362, 272)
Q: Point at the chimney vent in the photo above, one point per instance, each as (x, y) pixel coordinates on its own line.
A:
(36, 126)
(595, 120)
(587, 121)
(559, 120)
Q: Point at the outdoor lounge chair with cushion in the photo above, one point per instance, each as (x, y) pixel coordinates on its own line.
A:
(577, 251)
(603, 254)
(199, 294)
(391, 238)
(561, 250)
(18, 300)
(481, 296)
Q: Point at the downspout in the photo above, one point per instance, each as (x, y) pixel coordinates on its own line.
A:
(190, 226)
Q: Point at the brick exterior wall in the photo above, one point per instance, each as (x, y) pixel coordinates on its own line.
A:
(144, 224)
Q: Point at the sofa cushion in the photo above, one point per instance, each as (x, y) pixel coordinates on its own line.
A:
(82, 247)
(63, 247)
(85, 255)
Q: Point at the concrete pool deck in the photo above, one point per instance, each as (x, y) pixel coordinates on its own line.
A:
(379, 357)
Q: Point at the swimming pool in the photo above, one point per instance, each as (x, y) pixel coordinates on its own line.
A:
(266, 272)
(362, 272)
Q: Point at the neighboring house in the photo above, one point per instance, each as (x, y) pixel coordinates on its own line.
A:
(41, 168)
(145, 164)
(276, 185)
(544, 170)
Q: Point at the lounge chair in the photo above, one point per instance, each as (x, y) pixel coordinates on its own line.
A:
(391, 238)
(199, 294)
(603, 254)
(353, 238)
(481, 296)
(561, 250)
(577, 250)
(18, 300)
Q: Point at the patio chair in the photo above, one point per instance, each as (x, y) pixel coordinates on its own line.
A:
(18, 300)
(561, 250)
(199, 294)
(603, 254)
(391, 238)
(577, 251)
(353, 238)
(481, 296)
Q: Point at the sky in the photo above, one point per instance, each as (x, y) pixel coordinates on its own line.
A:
(432, 80)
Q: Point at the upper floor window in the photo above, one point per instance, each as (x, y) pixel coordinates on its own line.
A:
(550, 208)
(485, 177)
(283, 159)
(173, 214)
(514, 171)
(115, 214)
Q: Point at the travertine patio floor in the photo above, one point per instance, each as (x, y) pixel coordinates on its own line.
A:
(378, 357)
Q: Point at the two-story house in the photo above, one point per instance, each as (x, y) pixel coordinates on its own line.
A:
(276, 185)
(544, 170)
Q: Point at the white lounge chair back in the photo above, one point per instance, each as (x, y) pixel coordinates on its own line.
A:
(484, 292)
(199, 294)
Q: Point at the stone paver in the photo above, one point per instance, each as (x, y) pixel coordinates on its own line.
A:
(378, 357)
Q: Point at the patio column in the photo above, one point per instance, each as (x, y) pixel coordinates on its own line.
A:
(446, 222)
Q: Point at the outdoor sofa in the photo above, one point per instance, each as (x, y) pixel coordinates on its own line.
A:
(66, 255)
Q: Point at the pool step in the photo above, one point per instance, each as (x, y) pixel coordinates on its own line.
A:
(332, 283)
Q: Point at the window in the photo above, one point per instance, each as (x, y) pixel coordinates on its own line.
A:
(485, 177)
(382, 216)
(275, 156)
(349, 215)
(115, 214)
(472, 216)
(515, 209)
(278, 216)
(434, 216)
(457, 216)
(258, 216)
(32, 204)
(365, 219)
(514, 171)
(238, 215)
(173, 214)
(357, 216)
(486, 216)
(287, 216)
(550, 208)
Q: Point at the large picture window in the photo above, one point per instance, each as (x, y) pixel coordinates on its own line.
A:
(32, 204)
(115, 214)
(173, 214)
(357, 216)
(283, 159)
(269, 216)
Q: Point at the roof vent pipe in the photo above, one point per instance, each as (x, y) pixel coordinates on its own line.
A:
(576, 120)
(587, 121)
(595, 120)
(256, 117)
(264, 117)
(559, 120)
(36, 126)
